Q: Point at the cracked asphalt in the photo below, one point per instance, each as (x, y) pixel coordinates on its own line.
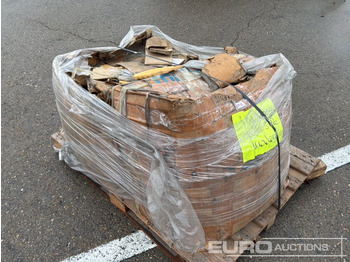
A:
(50, 212)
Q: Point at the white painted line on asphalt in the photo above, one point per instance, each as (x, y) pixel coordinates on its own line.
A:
(337, 158)
(137, 243)
(116, 250)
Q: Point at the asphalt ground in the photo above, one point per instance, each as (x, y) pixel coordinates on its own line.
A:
(50, 212)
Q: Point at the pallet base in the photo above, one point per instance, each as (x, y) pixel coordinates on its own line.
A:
(303, 167)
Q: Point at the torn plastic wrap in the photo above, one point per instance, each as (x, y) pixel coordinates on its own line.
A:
(174, 150)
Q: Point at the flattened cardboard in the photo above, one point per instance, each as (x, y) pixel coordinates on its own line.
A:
(104, 72)
(167, 60)
(159, 48)
(261, 79)
(224, 67)
(135, 66)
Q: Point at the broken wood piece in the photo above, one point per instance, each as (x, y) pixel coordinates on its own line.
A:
(81, 80)
(100, 89)
(192, 57)
(156, 44)
(58, 139)
(116, 57)
(231, 50)
(139, 38)
(96, 59)
(103, 86)
(81, 76)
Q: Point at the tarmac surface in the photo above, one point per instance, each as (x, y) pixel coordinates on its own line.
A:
(50, 213)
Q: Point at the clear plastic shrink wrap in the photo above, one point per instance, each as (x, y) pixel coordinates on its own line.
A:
(200, 164)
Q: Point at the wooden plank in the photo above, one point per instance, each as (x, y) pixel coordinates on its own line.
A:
(302, 155)
(118, 203)
(264, 219)
(132, 205)
(306, 164)
(302, 161)
(58, 139)
(319, 170)
(285, 197)
(243, 234)
(270, 223)
(249, 232)
(297, 175)
(232, 256)
(295, 181)
(254, 230)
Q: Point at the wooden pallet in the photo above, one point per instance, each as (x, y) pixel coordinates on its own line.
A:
(303, 167)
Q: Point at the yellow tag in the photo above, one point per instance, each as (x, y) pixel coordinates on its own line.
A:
(255, 135)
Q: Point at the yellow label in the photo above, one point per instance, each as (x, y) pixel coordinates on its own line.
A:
(255, 135)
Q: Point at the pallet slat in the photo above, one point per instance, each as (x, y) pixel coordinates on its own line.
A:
(264, 219)
(310, 166)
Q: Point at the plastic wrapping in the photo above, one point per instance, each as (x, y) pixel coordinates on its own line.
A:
(177, 157)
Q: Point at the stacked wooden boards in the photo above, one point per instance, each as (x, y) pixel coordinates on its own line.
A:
(303, 167)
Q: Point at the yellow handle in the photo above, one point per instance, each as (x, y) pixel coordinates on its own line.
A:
(155, 72)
